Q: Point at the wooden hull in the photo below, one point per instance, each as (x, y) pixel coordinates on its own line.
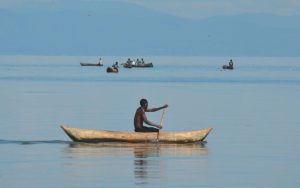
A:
(145, 65)
(227, 67)
(90, 64)
(87, 135)
(112, 70)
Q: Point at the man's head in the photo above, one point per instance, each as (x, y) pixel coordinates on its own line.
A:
(144, 103)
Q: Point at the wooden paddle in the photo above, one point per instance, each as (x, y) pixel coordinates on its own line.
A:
(161, 122)
(163, 116)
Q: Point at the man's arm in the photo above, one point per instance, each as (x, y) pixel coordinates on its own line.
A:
(156, 109)
(149, 122)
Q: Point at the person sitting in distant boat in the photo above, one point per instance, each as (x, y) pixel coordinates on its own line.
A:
(230, 66)
(101, 61)
(138, 61)
(142, 61)
(115, 66)
(231, 63)
(128, 63)
(140, 117)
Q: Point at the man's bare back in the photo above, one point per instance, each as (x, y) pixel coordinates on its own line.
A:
(138, 118)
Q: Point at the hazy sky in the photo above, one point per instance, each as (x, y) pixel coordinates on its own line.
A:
(77, 27)
(184, 8)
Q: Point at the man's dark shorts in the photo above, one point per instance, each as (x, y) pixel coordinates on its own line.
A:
(146, 129)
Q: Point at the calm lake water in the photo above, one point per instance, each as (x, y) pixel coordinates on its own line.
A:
(253, 109)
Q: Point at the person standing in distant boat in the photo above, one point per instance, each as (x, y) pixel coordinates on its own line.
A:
(231, 63)
(101, 61)
(140, 117)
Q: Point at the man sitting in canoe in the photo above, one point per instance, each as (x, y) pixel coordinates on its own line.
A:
(140, 117)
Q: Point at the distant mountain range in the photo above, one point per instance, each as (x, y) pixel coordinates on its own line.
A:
(121, 29)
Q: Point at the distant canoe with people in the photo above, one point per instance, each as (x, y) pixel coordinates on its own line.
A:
(100, 63)
(137, 63)
(229, 66)
(145, 65)
(113, 69)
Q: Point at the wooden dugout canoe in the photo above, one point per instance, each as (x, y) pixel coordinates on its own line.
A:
(143, 65)
(88, 135)
(138, 65)
(90, 64)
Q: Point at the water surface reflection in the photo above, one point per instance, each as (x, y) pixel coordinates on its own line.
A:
(148, 161)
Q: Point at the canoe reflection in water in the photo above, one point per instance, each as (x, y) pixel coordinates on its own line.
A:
(145, 163)
(150, 160)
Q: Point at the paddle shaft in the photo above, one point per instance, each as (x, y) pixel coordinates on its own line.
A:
(161, 122)
(163, 117)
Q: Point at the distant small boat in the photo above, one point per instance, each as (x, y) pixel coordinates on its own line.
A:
(229, 66)
(127, 65)
(88, 135)
(112, 70)
(139, 65)
(90, 64)
(142, 65)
